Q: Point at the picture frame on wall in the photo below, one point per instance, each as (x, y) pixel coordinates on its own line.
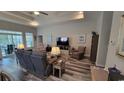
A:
(82, 39)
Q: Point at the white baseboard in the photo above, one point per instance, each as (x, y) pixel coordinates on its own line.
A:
(100, 65)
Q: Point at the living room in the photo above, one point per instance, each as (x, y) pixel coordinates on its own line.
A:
(68, 45)
(72, 28)
(71, 24)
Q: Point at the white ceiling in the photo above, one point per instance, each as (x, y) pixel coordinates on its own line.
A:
(26, 18)
(55, 17)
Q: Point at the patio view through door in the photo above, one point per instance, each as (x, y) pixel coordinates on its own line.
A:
(9, 40)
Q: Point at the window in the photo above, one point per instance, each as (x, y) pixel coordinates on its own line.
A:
(17, 39)
(29, 40)
(9, 38)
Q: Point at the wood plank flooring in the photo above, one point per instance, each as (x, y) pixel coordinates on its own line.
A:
(75, 70)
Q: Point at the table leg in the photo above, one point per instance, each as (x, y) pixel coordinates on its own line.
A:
(53, 71)
(60, 73)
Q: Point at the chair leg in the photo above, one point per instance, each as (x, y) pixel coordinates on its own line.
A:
(17, 61)
(60, 73)
(53, 71)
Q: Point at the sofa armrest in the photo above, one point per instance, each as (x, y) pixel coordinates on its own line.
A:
(48, 70)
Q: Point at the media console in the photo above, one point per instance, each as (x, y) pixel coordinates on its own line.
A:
(62, 47)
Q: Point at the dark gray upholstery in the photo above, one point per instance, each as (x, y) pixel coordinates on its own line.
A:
(48, 70)
(35, 62)
(19, 54)
(28, 62)
(40, 64)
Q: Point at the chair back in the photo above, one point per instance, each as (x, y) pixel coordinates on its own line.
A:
(81, 49)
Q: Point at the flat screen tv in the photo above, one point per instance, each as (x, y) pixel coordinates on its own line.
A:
(63, 41)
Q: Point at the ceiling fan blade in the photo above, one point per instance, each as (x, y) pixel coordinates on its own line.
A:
(39, 12)
(43, 13)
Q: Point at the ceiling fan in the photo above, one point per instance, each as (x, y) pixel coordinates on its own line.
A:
(38, 13)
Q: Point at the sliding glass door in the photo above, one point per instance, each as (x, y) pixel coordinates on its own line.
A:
(4, 41)
(9, 41)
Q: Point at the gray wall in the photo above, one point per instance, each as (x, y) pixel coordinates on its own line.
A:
(70, 29)
(16, 27)
(112, 57)
(105, 28)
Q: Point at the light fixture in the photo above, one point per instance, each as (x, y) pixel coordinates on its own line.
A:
(34, 23)
(55, 51)
(36, 13)
(80, 12)
(79, 15)
(21, 46)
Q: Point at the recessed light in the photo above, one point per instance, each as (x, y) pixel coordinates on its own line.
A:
(34, 23)
(80, 12)
(79, 15)
(36, 13)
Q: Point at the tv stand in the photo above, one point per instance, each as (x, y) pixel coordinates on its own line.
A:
(63, 47)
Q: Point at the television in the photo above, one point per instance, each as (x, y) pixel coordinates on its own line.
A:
(62, 41)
